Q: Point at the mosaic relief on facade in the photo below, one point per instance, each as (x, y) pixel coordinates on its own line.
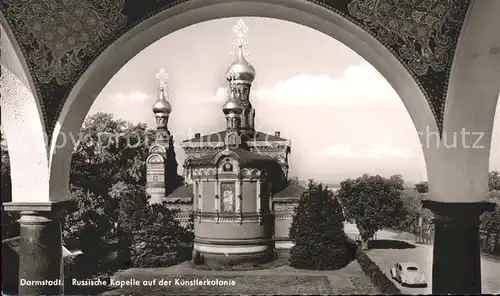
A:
(285, 207)
(60, 39)
(422, 34)
(60, 33)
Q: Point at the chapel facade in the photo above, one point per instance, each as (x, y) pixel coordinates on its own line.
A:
(236, 186)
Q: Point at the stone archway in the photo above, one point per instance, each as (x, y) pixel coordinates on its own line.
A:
(128, 45)
(420, 77)
(21, 112)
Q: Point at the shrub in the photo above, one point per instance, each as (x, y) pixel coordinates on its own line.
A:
(377, 276)
(198, 259)
(318, 231)
(160, 240)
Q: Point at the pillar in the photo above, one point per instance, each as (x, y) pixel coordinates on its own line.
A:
(217, 198)
(258, 185)
(456, 265)
(238, 205)
(40, 247)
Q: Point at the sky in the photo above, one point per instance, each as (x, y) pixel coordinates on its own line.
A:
(341, 115)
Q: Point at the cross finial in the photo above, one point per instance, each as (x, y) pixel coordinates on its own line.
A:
(162, 76)
(240, 29)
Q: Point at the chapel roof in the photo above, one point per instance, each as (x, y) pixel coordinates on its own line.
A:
(181, 192)
(291, 191)
(219, 137)
(247, 159)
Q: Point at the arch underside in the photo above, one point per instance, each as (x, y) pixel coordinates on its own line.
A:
(422, 35)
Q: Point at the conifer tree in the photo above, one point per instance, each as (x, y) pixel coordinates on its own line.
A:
(318, 232)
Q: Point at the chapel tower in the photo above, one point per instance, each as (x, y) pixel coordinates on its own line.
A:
(162, 177)
(240, 75)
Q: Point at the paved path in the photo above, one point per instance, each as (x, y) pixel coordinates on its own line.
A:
(422, 255)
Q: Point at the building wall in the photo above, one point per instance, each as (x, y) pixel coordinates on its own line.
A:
(282, 228)
(208, 196)
(234, 230)
(249, 197)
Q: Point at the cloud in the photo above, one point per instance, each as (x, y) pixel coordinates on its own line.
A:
(377, 152)
(360, 85)
(220, 95)
(133, 97)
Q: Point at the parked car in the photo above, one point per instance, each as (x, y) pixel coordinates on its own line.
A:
(408, 274)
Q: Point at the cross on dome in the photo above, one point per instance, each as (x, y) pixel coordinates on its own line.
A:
(240, 29)
(162, 77)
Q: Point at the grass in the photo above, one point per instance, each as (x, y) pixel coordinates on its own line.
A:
(277, 279)
(244, 284)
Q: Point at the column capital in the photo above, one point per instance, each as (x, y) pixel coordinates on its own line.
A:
(43, 208)
(454, 210)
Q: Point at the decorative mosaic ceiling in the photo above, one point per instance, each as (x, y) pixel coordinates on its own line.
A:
(60, 39)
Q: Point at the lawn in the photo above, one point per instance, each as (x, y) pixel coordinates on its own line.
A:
(277, 280)
(243, 284)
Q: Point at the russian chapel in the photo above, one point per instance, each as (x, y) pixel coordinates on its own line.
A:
(235, 182)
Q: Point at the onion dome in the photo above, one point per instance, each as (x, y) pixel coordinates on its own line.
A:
(232, 105)
(241, 69)
(162, 105)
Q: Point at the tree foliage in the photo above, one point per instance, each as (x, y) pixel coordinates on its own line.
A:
(159, 239)
(372, 202)
(109, 153)
(490, 221)
(88, 227)
(494, 181)
(422, 187)
(413, 211)
(317, 231)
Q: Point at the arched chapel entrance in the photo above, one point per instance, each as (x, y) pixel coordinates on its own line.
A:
(441, 56)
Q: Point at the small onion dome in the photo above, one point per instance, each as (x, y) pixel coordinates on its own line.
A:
(232, 105)
(162, 105)
(241, 69)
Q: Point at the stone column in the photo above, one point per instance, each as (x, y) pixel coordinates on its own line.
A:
(238, 206)
(40, 247)
(456, 265)
(257, 199)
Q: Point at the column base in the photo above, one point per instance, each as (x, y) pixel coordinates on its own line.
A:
(456, 265)
(40, 247)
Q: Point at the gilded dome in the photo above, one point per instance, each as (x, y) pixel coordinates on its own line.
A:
(241, 69)
(162, 105)
(232, 105)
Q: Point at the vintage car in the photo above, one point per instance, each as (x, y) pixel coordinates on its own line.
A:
(408, 274)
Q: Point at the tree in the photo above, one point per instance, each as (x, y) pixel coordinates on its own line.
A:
(422, 187)
(318, 231)
(133, 205)
(494, 180)
(110, 151)
(159, 240)
(413, 212)
(372, 202)
(87, 228)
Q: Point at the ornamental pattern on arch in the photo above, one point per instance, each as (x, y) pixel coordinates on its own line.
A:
(419, 27)
(60, 34)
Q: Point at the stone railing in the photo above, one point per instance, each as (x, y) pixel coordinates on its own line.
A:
(231, 217)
